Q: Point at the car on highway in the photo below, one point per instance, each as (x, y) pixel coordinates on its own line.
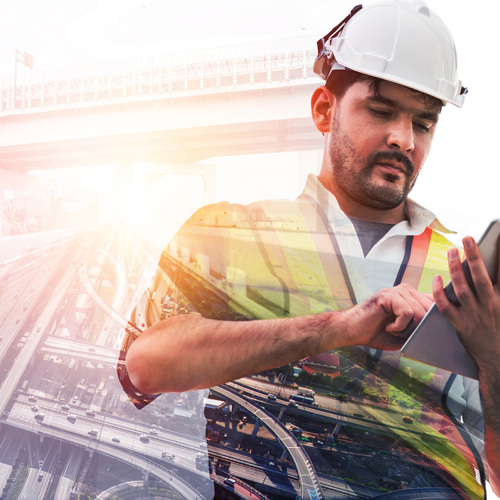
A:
(32, 399)
(168, 457)
(229, 481)
(115, 439)
(71, 417)
(40, 416)
(39, 327)
(272, 397)
(407, 419)
(293, 404)
(144, 438)
(40, 476)
(35, 408)
(154, 432)
(93, 432)
(90, 413)
(40, 463)
(65, 407)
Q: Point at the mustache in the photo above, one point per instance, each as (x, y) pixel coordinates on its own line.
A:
(381, 156)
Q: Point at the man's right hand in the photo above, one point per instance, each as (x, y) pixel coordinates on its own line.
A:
(386, 319)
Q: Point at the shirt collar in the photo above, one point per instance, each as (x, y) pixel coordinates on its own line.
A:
(418, 217)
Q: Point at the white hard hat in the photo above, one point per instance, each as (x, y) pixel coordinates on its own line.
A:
(401, 41)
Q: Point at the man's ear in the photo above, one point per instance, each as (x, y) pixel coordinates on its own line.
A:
(322, 103)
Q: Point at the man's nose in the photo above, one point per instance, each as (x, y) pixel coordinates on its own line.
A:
(400, 136)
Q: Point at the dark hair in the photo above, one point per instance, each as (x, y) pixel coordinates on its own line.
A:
(339, 81)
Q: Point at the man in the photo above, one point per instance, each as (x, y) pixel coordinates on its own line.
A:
(341, 266)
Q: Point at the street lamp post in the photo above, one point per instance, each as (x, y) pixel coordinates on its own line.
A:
(27, 60)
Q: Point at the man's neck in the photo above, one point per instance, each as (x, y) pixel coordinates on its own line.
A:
(362, 212)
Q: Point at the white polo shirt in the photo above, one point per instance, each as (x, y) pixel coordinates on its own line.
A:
(380, 267)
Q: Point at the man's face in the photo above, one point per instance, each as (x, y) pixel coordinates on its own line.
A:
(378, 143)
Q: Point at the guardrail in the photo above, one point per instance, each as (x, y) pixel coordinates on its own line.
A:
(159, 75)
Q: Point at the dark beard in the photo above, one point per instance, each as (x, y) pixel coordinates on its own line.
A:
(358, 185)
(385, 197)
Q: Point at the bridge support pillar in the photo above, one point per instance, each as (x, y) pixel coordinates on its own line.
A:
(309, 162)
(337, 429)
(154, 172)
(164, 194)
(199, 403)
(256, 429)
(282, 411)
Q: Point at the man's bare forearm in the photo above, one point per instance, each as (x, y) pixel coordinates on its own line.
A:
(188, 352)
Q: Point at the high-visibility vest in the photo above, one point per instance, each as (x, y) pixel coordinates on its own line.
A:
(281, 259)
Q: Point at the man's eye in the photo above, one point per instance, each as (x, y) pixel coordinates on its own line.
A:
(421, 126)
(381, 113)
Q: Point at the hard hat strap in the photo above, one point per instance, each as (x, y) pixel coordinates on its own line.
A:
(335, 31)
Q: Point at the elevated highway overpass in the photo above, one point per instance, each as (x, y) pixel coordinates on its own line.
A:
(166, 110)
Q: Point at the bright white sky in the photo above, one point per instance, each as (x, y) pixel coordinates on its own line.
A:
(460, 179)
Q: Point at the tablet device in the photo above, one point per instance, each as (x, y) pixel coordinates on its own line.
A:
(434, 341)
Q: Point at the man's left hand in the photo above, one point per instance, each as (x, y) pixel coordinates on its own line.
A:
(477, 318)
